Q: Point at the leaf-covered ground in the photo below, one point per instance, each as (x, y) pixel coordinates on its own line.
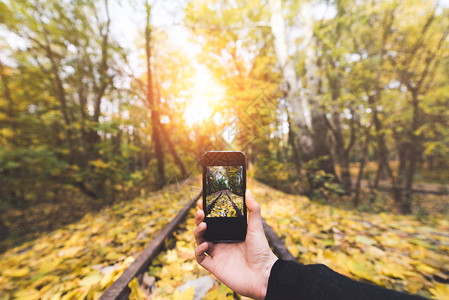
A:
(397, 252)
(224, 204)
(84, 258)
(177, 265)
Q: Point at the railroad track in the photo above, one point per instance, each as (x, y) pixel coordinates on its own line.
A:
(120, 290)
(210, 206)
(234, 205)
(226, 195)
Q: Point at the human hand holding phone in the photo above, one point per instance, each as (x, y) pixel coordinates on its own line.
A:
(244, 267)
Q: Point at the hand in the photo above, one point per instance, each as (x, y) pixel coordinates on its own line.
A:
(244, 267)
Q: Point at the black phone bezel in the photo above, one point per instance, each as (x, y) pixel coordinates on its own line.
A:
(225, 229)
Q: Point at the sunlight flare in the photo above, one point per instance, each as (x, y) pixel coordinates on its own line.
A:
(206, 93)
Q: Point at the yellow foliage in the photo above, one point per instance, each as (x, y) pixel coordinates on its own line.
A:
(16, 273)
(99, 164)
(440, 291)
(69, 252)
(292, 247)
(68, 263)
(390, 250)
(394, 271)
(136, 292)
(187, 294)
(393, 251)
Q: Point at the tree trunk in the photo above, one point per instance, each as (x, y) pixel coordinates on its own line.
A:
(85, 157)
(301, 112)
(345, 174)
(363, 160)
(8, 97)
(61, 96)
(403, 155)
(337, 130)
(166, 135)
(291, 140)
(383, 153)
(380, 167)
(4, 231)
(342, 151)
(103, 82)
(117, 142)
(311, 126)
(406, 205)
(322, 151)
(155, 119)
(430, 161)
(313, 82)
(173, 152)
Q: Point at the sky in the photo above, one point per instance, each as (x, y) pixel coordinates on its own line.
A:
(127, 27)
(128, 21)
(128, 24)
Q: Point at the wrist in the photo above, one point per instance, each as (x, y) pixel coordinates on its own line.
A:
(265, 276)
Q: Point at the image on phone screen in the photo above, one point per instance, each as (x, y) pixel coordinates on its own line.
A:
(224, 191)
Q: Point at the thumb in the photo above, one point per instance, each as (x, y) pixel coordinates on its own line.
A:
(255, 218)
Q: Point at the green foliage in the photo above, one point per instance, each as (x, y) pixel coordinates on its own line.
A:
(222, 184)
(279, 175)
(225, 178)
(27, 174)
(59, 139)
(320, 181)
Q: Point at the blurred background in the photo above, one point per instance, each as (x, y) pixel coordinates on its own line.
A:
(103, 100)
(100, 101)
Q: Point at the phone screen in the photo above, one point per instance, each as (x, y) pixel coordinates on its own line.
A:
(224, 191)
(224, 186)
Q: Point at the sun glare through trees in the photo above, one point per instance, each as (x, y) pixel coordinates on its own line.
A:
(206, 97)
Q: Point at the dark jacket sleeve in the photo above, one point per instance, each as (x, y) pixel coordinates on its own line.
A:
(290, 280)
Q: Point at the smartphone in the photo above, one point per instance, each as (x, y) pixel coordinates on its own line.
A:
(224, 187)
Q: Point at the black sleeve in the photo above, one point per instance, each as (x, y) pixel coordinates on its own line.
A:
(290, 280)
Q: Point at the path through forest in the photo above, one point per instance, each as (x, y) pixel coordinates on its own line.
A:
(84, 258)
(224, 204)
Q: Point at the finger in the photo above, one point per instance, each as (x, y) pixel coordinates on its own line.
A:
(200, 203)
(199, 232)
(199, 217)
(202, 258)
(253, 206)
(210, 249)
(254, 218)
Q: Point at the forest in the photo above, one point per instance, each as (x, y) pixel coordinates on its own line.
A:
(340, 106)
(224, 191)
(224, 178)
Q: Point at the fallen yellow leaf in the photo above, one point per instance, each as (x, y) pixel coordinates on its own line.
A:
(136, 292)
(16, 273)
(187, 294)
(440, 291)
